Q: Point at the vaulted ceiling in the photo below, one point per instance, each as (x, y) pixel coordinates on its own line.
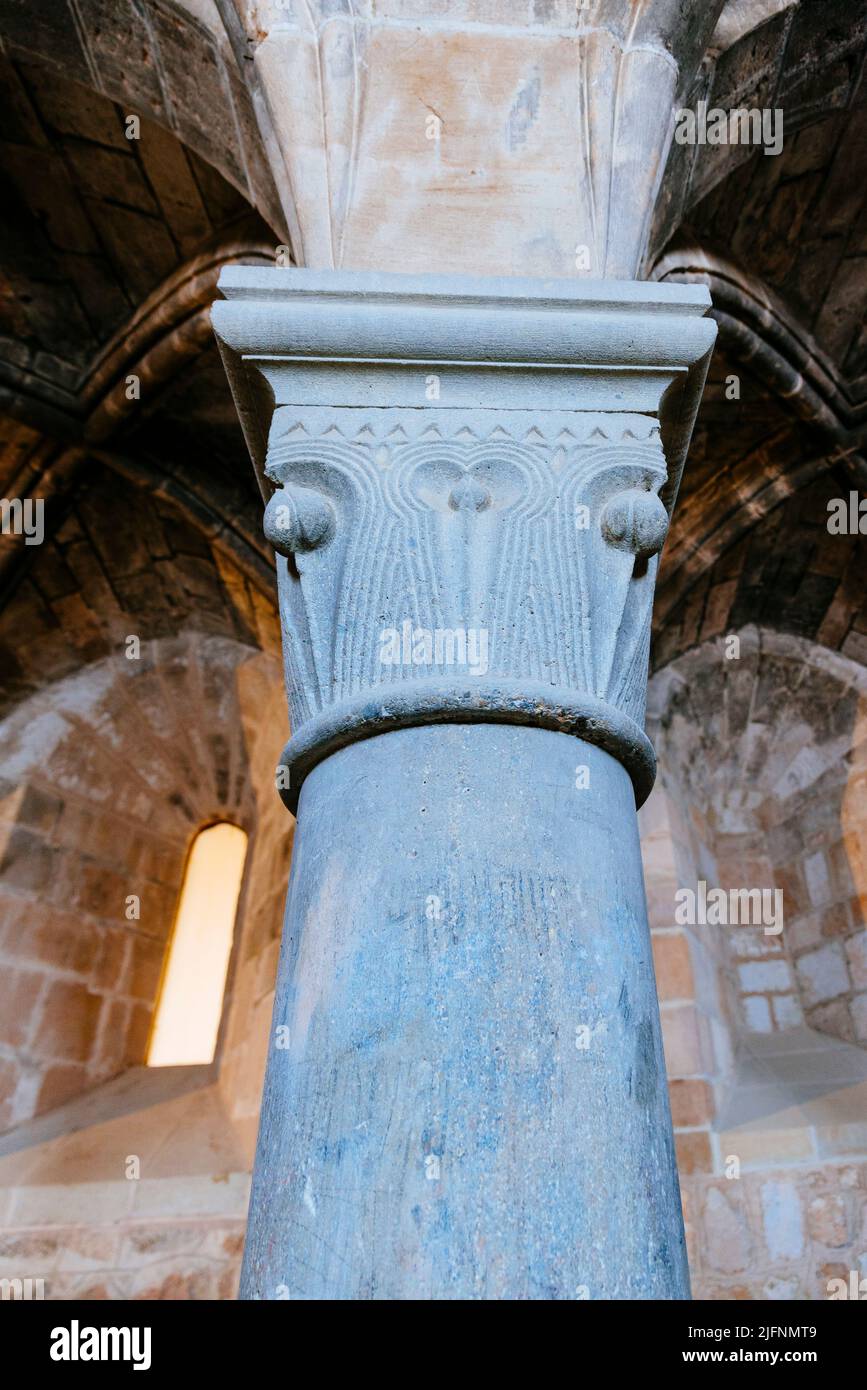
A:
(780, 242)
(110, 250)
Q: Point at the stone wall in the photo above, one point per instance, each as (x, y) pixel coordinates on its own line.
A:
(71, 1211)
(143, 700)
(165, 1255)
(762, 785)
(779, 1232)
(116, 769)
(763, 752)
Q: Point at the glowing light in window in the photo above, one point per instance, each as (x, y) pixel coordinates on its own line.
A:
(191, 998)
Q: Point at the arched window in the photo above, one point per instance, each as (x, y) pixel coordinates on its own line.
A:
(190, 1002)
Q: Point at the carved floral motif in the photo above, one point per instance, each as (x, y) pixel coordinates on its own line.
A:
(524, 527)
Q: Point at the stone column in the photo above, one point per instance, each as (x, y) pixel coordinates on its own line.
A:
(469, 483)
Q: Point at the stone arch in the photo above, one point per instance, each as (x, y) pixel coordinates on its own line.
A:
(780, 567)
(801, 59)
(763, 771)
(162, 61)
(763, 782)
(138, 542)
(143, 699)
(113, 770)
(765, 753)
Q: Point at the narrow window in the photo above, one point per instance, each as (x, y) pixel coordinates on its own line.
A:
(190, 1002)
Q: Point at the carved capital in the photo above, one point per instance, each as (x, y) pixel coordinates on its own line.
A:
(469, 483)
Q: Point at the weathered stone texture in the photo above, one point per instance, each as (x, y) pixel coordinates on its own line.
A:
(778, 1234)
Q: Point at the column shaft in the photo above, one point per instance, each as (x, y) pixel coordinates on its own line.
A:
(467, 1098)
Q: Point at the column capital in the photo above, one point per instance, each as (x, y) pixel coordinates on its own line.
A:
(468, 484)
